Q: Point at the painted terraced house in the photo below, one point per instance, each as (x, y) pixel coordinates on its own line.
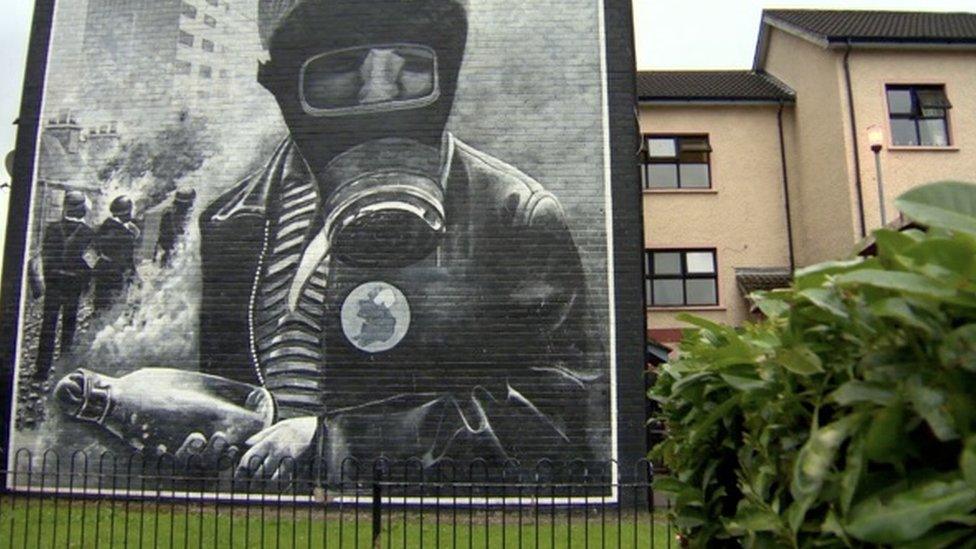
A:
(750, 174)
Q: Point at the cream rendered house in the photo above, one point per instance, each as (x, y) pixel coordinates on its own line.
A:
(750, 174)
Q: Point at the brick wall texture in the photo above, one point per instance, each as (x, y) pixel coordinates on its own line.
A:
(320, 229)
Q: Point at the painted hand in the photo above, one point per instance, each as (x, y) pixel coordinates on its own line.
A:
(199, 452)
(275, 451)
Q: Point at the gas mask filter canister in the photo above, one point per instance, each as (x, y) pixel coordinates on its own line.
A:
(387, 206)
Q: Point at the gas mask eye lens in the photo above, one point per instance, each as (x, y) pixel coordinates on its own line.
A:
(368, 79)
(344, 62)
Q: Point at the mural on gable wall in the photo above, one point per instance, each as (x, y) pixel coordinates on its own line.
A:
(283, 229)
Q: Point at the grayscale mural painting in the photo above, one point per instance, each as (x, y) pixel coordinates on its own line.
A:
(267, 230)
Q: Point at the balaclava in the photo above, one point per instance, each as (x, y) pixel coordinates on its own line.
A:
(295, 31)
(376, 159)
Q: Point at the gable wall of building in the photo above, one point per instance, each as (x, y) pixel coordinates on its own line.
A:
(907, 167)
(825, 220)
(742, 217)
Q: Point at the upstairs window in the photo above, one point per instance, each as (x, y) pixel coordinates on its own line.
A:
(207, 45)
(677, 162)
(186, 38)
(918, 116)
(214, 3)
(183, 67)
(189, 11)
(681, 278)
(209, 21)
(206, 72)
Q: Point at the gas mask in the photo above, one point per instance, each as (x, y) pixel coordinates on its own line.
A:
(366, 88)
(387, 206)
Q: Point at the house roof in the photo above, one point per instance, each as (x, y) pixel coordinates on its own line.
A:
(59, 168)
(655, 352)
(879, 26)
(758, 279)
(55, 164)
(840, 28)
(711, 86)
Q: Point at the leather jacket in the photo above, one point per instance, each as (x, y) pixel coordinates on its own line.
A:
(498, 362)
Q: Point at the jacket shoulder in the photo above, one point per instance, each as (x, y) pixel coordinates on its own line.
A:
(518, 196)
(248, 195)
(109, 224)
(212, 212)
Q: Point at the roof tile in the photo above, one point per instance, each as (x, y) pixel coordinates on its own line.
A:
(710, 86)
(751, 280)
(881, 26)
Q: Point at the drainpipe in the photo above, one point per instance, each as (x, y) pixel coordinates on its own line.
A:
(857, 152)
(786, 186)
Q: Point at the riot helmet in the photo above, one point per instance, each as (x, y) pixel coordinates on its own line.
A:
(75, 204)
(121, 208)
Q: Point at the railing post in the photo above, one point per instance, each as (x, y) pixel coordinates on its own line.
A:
(377, 524)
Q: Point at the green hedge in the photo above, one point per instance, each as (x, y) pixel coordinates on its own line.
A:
(847, 418)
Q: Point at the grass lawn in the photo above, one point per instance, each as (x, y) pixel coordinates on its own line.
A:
(46, 523)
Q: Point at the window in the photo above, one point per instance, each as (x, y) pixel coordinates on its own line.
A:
(224, 73)
(214, 3)
(918, 116)
(680, 278)
(677, 162)
(209, 21)
(183, 67)
(189, 11)
(186, 38)
(205, 71)
(207, 45)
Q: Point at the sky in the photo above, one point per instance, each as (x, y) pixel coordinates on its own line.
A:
(670, 34)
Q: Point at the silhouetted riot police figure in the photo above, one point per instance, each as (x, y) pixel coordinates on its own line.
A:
(66, 276)
(116, 242)
(172, 225)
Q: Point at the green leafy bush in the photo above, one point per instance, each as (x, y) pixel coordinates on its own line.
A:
(848, 416)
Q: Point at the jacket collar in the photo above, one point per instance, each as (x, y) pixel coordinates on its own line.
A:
(287, 163)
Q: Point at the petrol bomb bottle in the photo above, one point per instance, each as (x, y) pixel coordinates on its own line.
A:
(156, 409)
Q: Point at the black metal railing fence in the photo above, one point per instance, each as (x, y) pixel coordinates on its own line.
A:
(110, 500)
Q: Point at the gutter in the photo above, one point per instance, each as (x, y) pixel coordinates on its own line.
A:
(688, 101)
(857, 152)
(786, 187)
(895, 44)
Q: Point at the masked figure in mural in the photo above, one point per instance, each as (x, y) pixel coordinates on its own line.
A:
(395, 291)
(172, 226)
(65, 252)
(116, 242)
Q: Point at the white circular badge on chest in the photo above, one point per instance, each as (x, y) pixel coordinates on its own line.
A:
(375, 317)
